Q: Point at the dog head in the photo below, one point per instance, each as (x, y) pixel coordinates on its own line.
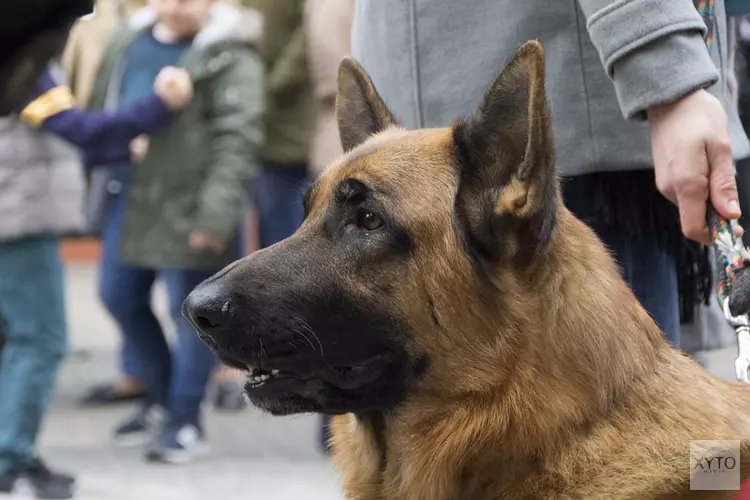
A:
(410, 264)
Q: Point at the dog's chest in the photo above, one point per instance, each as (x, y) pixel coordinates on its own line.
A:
(402, 469)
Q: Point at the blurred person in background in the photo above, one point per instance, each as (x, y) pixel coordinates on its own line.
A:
(639, 113)
(88, 41)
(289, 120)
(175, 213)
(742, 95)
(41, 198)
(81, 59)
(328, 27)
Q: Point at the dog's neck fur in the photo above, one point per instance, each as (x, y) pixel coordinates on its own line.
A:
(596, 348)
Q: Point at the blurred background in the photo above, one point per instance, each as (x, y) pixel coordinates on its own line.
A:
(252, 455)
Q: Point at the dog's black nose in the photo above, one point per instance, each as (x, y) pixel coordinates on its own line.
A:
(208, 309)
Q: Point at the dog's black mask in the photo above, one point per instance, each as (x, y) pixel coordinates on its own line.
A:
(303, 319)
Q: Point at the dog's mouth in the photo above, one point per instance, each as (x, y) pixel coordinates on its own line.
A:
(292, 370)
(257, 377)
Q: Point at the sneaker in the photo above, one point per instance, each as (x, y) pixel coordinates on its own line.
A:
(139, 428)
(38, 482)
(38, 467)
(179, 442)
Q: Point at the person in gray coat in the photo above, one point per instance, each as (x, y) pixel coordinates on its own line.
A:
(639, 112)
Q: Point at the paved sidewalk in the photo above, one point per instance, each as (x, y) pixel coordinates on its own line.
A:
(254, 456)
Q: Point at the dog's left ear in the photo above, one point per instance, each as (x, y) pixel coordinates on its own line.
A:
(360, 111)
(507, 193)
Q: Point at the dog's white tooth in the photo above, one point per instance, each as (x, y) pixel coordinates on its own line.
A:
(274, 372)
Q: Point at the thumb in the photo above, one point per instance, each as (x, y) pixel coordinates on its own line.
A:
(722, 182)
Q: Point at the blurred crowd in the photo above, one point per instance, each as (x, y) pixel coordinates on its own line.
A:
(182, 133)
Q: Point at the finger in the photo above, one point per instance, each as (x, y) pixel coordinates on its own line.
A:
(722, 182)
(665, 185)
(691, 201)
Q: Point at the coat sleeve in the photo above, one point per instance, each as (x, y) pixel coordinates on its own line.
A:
(328, 29)
(653, 50)
(54, 110)
(235, 123)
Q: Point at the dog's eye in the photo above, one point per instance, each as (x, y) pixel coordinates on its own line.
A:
(368, 220)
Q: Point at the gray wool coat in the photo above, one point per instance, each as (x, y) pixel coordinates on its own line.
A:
(607, 62)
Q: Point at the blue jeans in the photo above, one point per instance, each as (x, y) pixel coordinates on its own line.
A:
(32, 312)
(277, 192)
(175, 378)
(130, 365)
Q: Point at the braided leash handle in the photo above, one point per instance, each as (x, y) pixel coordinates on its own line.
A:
(729, 253)
(732, 284)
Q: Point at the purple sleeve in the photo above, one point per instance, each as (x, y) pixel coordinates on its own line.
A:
(110, 130)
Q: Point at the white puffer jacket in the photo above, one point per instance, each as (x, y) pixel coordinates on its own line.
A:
(41, 183)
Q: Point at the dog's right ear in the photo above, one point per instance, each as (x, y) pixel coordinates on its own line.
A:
(359, 109)
(507, 192)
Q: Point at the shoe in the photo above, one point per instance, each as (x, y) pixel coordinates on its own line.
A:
(38, 482)
(139, 428)
(38, 467)
(230, 396)
(109, 394)
(179, 442)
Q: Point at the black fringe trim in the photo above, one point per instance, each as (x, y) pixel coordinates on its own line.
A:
(629, 203)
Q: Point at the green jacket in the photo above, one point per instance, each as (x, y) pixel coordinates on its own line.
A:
(290, 115)
(196, 172)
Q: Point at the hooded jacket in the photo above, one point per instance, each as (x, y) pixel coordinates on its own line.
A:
(196, 172)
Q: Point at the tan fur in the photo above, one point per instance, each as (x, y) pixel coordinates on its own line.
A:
(563, 383)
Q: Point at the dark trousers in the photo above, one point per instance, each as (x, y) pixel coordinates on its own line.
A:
(277, 193)
(177, 377)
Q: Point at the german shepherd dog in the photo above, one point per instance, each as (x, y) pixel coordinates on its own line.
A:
(473, 338)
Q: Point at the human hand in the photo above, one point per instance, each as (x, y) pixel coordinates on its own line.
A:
(139, 147)
(201, 241)
(174, 86)
(693, 160)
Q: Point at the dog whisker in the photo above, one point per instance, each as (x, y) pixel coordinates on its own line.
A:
(312, 346)
(315, 335)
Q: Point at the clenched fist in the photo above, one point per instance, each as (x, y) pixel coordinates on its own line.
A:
(203, 241)
(139, 148)
(693, 160)
(174, 86)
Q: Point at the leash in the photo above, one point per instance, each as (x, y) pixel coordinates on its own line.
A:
(732, 261)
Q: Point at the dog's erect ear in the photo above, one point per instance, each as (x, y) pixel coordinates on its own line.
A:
(507, 191)
(359, 109)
